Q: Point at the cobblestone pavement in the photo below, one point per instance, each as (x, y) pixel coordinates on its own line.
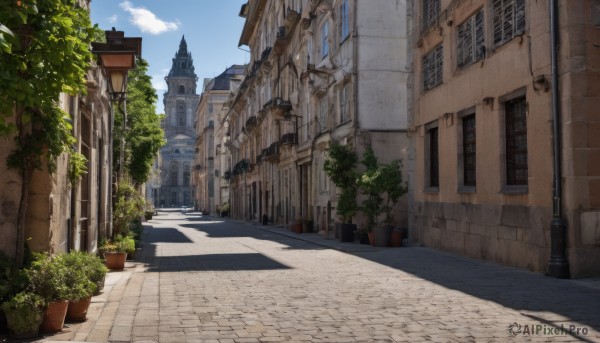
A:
(203, 280)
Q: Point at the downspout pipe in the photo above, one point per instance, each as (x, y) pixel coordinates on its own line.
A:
(558, 266)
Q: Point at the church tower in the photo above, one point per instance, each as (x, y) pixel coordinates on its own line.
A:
(177, 155)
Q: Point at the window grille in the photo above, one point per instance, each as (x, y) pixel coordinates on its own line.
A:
(433, 68)
(469, 148)
(470, 44)
(431, 11)
(508, 20)
(434, 173)
(516, 142)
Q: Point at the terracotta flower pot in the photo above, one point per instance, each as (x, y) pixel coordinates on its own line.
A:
(115, 260)
(298, 228)
(77, 311)
(54, 317)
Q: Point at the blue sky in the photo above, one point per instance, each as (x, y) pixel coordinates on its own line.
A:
(212, 30)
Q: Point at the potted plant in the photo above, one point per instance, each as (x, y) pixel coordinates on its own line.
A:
(371, 185)
(12, 281)
(115, 252)
(393, 187)
(383, 186)
(82, 269)
(24, 314)
(48, 278)
(340, 168)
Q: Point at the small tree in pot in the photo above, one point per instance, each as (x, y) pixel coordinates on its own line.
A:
(340, 167)
(383, 186)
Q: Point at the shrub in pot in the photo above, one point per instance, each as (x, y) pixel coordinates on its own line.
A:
(12, 281)
(79, 281)
(48, 278)
(340, 168)
(383, 187)
(91, 265)
(24, 314)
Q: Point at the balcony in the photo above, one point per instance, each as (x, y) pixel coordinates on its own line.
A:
(251, 123)
(289, 138)
(272, 153)
(280, 107)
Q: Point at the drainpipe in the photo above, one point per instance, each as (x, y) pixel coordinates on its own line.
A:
(558, 266)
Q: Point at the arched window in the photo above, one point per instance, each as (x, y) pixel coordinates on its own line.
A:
(181, 89)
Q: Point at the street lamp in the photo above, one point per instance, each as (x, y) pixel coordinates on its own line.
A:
(117, 56)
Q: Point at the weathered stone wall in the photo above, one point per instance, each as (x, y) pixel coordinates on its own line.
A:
(513, 235)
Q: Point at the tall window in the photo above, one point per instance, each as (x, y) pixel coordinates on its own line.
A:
(325, 39)
(180, 115)
(469, 148)
(323, 122)
(431, 10)
(344, 108)
(508, 19)
(181, 89)
(470, 40)
(345, 20)
(433, 64)
(433, 170)
(516, 141)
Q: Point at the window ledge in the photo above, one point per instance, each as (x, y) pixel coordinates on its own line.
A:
(431, 190)
(467, 189)
(514, 190)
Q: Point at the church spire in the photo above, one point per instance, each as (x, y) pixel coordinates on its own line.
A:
(183, 64)
(183, 46)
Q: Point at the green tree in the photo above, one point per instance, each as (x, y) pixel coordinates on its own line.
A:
(44, 50)
(143, 136)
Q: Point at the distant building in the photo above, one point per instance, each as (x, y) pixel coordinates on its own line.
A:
(210, 160)
(177, 155)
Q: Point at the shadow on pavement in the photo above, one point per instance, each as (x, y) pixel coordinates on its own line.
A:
(510, 287)
(214, 262)
(166, 235)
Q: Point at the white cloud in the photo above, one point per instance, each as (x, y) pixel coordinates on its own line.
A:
(158, 82)
(146, 20)
(112, 19)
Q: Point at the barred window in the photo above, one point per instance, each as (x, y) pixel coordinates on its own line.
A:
(516, 141)
(469, 148)
(508, 20)
(470, 45)
(433, 67)
(431, 11)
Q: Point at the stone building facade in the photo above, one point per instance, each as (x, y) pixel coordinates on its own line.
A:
(177, 155)
(61, 216)
(320, 71)
(207, 167)
(483, 178)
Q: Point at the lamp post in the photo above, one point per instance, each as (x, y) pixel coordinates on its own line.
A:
(117, 56)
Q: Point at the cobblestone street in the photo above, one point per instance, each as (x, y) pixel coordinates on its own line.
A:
(199, 279)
